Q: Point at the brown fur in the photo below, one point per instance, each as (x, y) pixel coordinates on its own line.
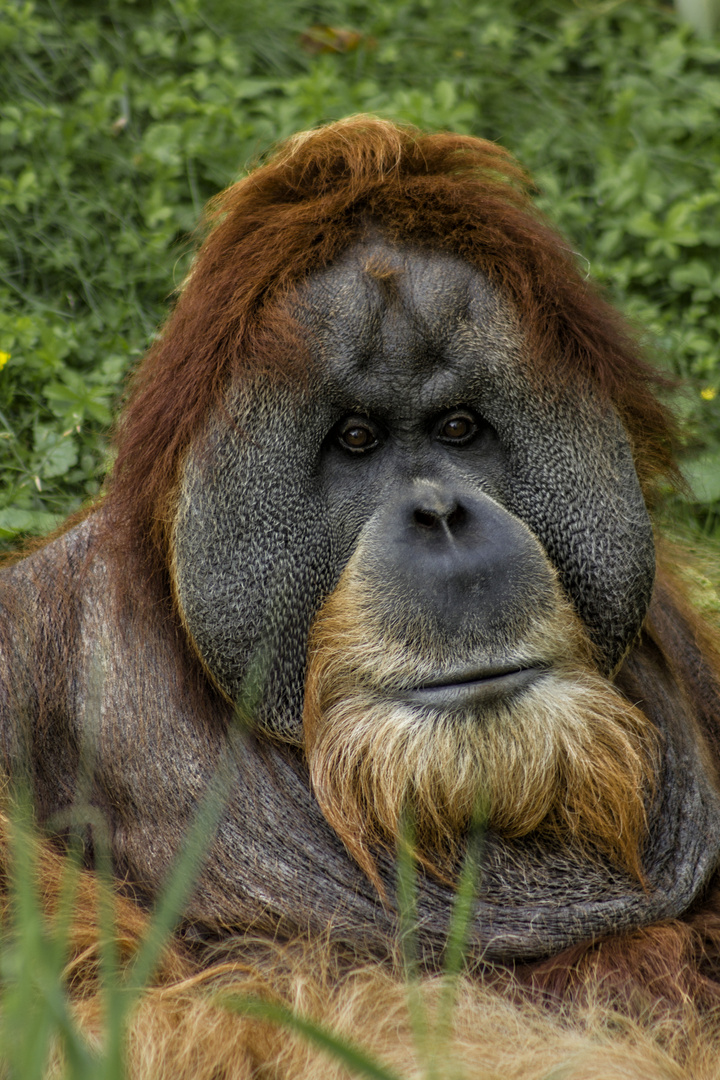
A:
(54, 878)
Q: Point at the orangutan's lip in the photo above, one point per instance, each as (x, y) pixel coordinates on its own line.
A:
(474, 687)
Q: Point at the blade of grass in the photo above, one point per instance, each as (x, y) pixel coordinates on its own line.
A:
(458, 940)
(26, 1029)
(462, 913)
(344, 1051)
(406, 888)
(113, 1064)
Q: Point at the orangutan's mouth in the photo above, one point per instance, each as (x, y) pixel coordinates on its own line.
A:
(474, 686)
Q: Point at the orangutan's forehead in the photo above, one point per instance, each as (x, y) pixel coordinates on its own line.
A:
(380, 308)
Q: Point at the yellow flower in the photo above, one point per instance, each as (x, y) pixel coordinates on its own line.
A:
(707, 394)
(4, 357)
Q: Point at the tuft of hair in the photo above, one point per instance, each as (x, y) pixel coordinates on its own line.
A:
(385, 276)
(569, 757)
(295, 214)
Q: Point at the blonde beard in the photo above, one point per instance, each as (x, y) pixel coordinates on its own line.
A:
(569, 756)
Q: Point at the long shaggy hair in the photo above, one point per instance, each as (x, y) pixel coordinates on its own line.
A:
(191, 1031)
(570, 756)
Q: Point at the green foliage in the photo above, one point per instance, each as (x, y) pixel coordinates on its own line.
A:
(115, 128)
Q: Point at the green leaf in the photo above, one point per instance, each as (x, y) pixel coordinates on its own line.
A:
(14, 522)
(703, 476)
(57, 453)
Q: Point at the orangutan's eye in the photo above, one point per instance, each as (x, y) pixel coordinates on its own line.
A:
(457, 428)
(357, 435)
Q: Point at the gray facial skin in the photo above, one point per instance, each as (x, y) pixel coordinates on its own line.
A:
(282, 494)
(271, 506)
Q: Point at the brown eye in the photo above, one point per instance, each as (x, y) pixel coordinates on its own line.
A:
(458, 428)
(357, 436)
